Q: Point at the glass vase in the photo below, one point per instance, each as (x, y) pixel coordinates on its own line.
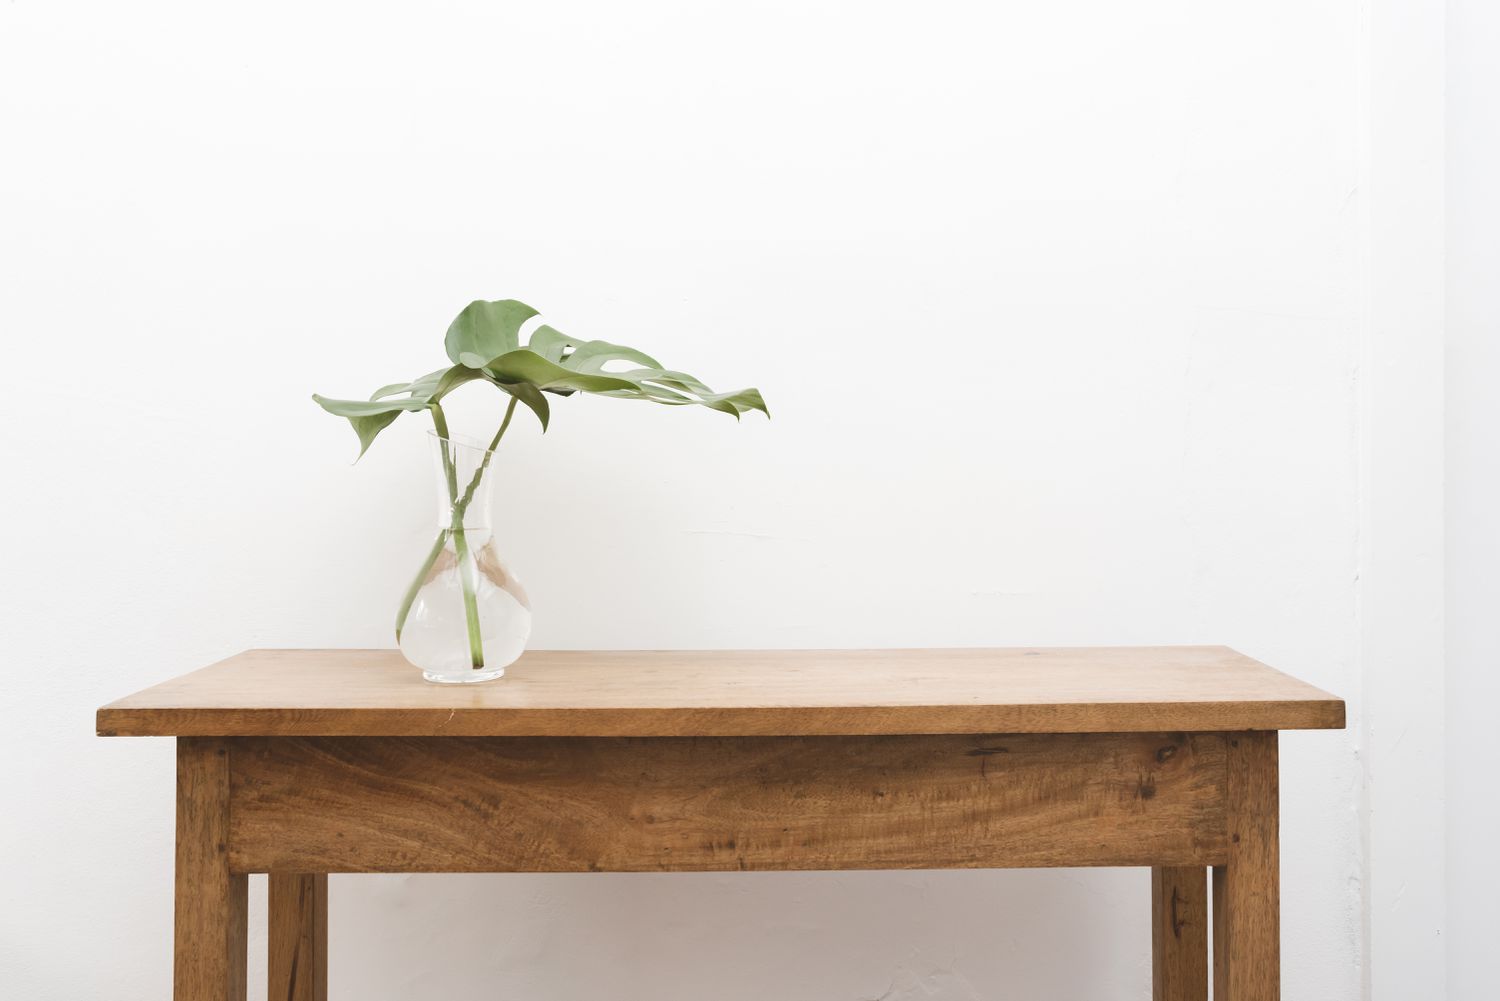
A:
(465, 617)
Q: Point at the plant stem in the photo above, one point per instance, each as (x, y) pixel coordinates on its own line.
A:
(468, 569)
(462, 505)
(419, 580)
(468, 576)
(468, 573)
(440, 422)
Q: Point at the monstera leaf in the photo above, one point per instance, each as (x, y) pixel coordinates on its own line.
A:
(483, 342)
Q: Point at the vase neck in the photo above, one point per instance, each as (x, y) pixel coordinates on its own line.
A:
(464, 474)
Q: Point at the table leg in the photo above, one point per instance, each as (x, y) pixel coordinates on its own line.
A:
(1247, 891)
(210, 902)
(298, 937)
(1179, 933)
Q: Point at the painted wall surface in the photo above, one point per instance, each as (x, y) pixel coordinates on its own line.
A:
(1473, 532)
(1401, 453)
(1060, 309)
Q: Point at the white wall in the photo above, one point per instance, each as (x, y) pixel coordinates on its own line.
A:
(1473, 531)
(1062, 310)
(1401, 505)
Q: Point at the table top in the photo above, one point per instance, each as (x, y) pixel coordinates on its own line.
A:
(692, 693)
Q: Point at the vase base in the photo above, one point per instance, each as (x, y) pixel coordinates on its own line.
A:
(469, 677)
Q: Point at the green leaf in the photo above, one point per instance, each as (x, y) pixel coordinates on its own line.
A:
(369, 417)
(483, 343)
(661, 394)
(550, 343)
(528, 366)
(368, 408)
(678, 380)
(451, 379)
(592, 356)
(368, 427)
(391, 390)
(485, 330)
(743, 401)
(678, 388)
(417, 387)
(531, 397)
(561, 365)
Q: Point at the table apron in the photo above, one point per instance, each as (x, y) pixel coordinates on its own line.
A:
(708, 804)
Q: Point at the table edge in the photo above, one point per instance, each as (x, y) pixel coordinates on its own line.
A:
(745, 721)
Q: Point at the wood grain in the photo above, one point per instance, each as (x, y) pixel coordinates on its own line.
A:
(210, 901)
(1247, 894)
(729, 693)
(297, 937)
(452, 804)
(1179, 933)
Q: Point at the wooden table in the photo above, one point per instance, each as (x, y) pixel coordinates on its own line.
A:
(299, 763)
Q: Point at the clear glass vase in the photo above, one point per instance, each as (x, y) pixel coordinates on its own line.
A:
(465, 617)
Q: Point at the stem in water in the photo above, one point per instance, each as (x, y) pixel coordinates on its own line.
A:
(468, 569)
(466, 562)
(418, 581)
(468, 576)
(468, 573)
